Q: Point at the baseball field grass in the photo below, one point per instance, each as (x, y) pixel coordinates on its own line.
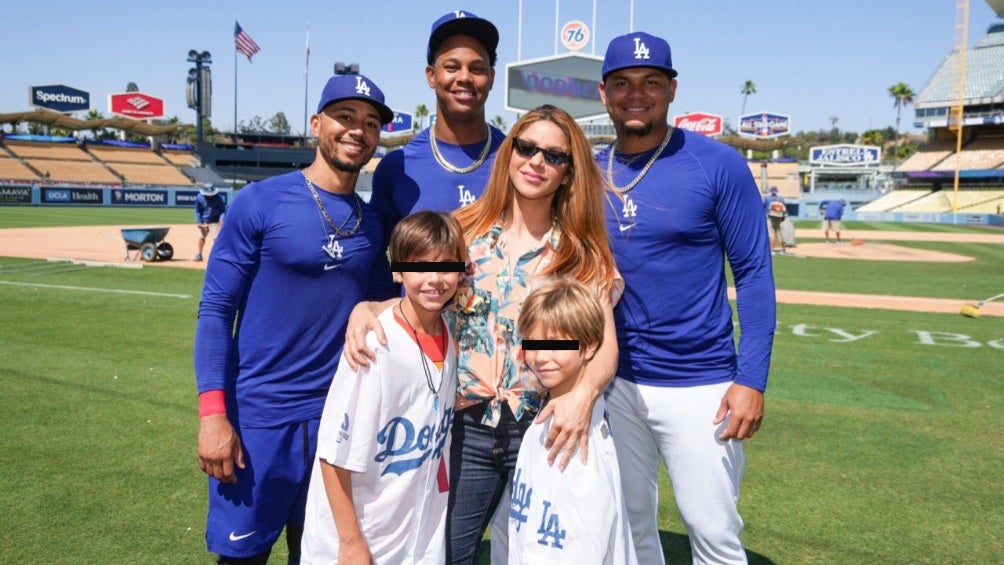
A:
(881, 441)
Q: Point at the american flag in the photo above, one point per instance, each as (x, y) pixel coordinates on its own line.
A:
(244, 42)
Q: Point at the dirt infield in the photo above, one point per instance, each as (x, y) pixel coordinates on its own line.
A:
(97, 243)
(105, 243)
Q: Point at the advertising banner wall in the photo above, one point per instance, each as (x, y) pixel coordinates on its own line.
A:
(59, 98)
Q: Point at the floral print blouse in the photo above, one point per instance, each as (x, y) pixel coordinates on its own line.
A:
(483, 320)
(484, 315)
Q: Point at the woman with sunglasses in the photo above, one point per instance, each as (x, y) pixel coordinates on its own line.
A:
(538, 218)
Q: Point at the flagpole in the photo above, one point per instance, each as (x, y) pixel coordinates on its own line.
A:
(235, 83)
(306, 78)
(233, 181)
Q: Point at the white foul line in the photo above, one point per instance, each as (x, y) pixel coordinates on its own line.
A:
(91, 289)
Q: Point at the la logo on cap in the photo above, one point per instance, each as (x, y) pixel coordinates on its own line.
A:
(362, 87)
(640, 50)
(459, 14)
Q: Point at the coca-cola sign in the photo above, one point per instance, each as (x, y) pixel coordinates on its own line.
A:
(707, 124)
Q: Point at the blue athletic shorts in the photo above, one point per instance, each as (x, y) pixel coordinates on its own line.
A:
(246, 518)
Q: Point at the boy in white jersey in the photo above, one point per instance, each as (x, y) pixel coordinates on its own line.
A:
(577, 515)
(379, 488)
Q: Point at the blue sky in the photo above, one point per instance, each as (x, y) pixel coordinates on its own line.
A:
(811, 60)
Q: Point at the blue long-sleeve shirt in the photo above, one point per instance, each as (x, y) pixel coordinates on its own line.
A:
(696, 206)
(209, 209)
(410, 179)
(278, 291)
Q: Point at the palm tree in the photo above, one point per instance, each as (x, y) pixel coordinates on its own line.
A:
(872, 137)
(902, 95)
(498, 122)
(421, 112)
(748, 88)
(95, 115)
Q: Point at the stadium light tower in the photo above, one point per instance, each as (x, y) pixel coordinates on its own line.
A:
(346, 69)
(200, 88)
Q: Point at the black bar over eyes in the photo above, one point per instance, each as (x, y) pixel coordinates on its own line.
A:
(550, 344)
(428, 267)
(528, 149)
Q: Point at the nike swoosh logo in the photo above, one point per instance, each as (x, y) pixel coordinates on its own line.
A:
(329, 267)
(235, 537)
(629, 226)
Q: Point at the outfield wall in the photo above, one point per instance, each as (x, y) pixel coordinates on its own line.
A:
(927, 218)
(131, 197)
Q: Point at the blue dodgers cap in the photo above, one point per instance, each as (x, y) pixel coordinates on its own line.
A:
(638, 49)
(354, 87)
(459, 22)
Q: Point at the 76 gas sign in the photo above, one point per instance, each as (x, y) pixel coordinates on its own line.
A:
(575, 35)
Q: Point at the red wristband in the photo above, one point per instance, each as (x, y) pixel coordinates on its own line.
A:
(212, 402)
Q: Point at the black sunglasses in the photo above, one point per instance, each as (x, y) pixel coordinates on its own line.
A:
(529, 149)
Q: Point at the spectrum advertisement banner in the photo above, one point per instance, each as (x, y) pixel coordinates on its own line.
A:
(59, 98)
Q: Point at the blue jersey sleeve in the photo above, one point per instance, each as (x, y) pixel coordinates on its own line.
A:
(739, 215)
(233, 261)
(385, 177)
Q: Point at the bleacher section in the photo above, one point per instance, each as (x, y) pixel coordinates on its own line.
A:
(968, 201)
(938, 201)
(93, 164)
(978, 201)
(980, 154)
(782, 175)
(111, 154)
(62, 162)
(135, 173)
(139, 166)
(995, 206)
(891, 200)
(929, 156)
(180, 158)
(12, 169)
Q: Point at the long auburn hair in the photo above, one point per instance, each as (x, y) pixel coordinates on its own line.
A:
(584, 247)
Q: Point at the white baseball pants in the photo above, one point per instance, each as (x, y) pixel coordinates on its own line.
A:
(674, 424)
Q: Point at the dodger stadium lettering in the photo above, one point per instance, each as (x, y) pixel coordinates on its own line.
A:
(405, 448)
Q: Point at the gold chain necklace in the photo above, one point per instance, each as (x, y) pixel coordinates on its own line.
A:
(644, 170)
(324, 212)
(453, 168)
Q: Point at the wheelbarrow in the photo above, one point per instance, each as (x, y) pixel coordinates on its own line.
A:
(148, 243)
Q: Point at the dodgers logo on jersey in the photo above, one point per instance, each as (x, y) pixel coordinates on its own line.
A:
(521, 498)
(550, 528)
(630, 208)
(343, 433)
(408, 448)
(465, 197)
(640, 49)
(333, 250)
(364, 89)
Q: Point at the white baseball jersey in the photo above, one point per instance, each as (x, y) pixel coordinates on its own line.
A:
(573, 516)
(384, 425)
